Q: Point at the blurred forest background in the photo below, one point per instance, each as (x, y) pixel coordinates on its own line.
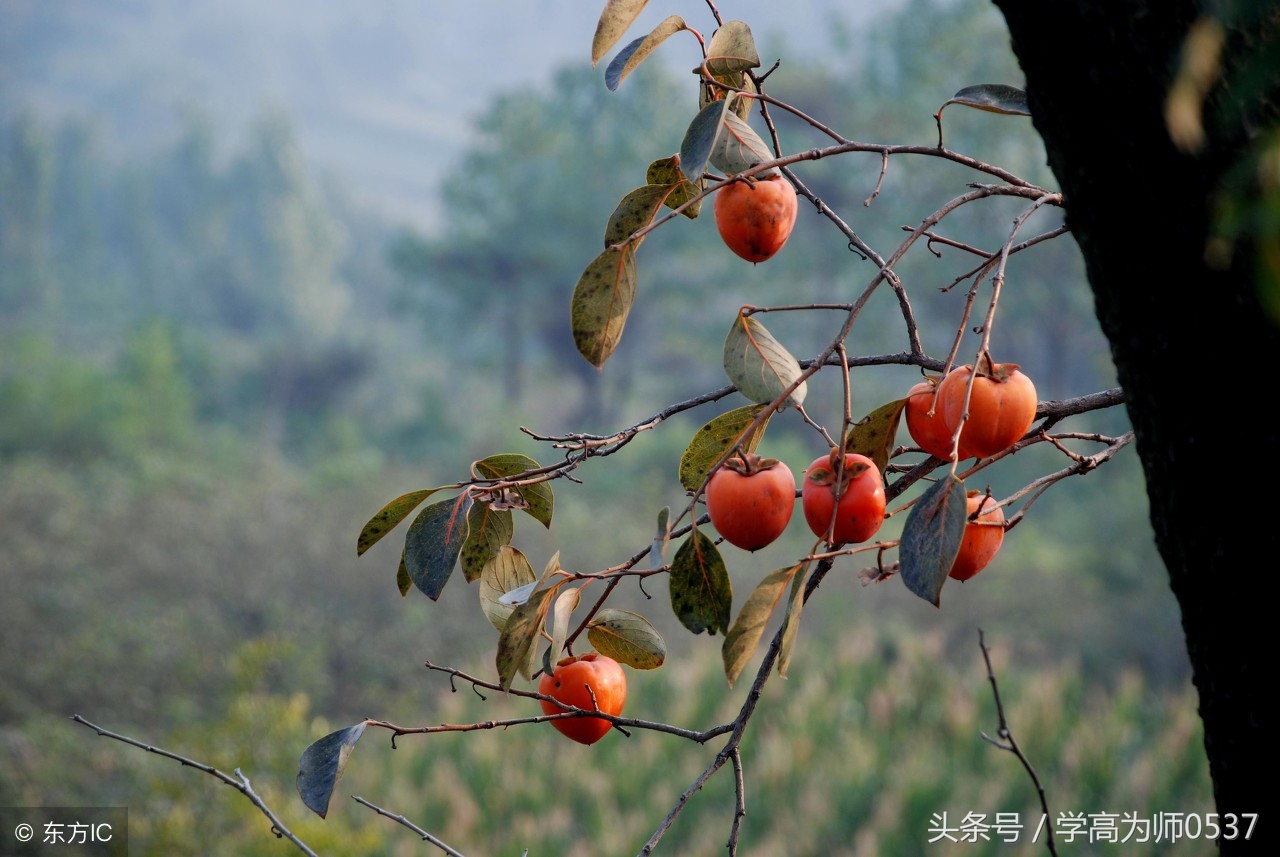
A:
(230, 331)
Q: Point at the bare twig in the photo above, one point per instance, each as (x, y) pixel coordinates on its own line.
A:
(401, 820)
(239, 782)
(1005, 741)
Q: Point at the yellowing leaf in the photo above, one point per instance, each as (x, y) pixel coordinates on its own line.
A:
(874, 434)
(732, 49)
(388, 516)
(715, 438)
(617, 16)
(628, 638)
(743, 638)
(758, 365)
(508, 571)
(601, 303)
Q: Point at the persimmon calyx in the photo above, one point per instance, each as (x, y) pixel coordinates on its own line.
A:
(749, 464)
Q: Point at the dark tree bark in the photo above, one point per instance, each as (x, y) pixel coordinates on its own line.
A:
(1192, 345)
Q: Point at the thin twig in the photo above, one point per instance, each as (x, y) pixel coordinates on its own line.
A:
(239, 782)
(400, 819)
(1005, 741)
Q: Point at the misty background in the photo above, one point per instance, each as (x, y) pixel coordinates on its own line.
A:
(264, 267)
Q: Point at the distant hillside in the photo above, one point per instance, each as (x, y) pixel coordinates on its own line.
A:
(382, 95)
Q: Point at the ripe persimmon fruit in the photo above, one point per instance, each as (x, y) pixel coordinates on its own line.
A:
(1002, 407)
(755, 216)
(981, 541)
(593, 682)
(859, 511)
(929, 431)
(750, 500)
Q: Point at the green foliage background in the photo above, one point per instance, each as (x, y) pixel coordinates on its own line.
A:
(214, 367)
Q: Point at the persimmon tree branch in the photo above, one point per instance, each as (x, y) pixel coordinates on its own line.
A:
(1004, 740)
(239, 781)
(404, 822)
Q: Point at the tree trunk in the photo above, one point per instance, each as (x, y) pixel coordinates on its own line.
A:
(1191, 342)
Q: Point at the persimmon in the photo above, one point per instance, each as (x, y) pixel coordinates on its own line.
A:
(929, 431)
(982, 537)
(750, 500)
(755, 216)
(593, 682)
(1002, 407)
(859, 511)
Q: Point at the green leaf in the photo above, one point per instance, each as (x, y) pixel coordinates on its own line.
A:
(432, 545)
(701, 594)
(741, 641)
(716, 438)
(487, 532)
(992, 97)
(321, 767)
(508, 571)
(738, 147)
(628, 638)
(791, 624)
(403, 581)
(601, 302)
(636, 211)
(700, 139)
(539, 500)
(874, 434)
(931, 538)
(630, 57)
(666, 172)
(617, 16)
(758, 365)
(388, 516)
(517, 643)
(561, 612)
(732, 49)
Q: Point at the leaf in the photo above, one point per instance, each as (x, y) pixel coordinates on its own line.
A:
(738, 80)
(630, 57)
(539, 498)
(741, 641)
(403, 581)
(874, 434)
(758, 365)
(516, 645)
(791, 624)
(617, 16)
(700, 139)
(601, 302)
(715, 438)
(432, 545)
(321, 767)
(666, 172)
(636, 211)
(658, 550)
(388, 516)
(931, 538)
(992, 97)
(487, 532)
(561, 612)
(732, 49)
(628, 638)
(504, 575)
(701, 594)
(738, 147)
